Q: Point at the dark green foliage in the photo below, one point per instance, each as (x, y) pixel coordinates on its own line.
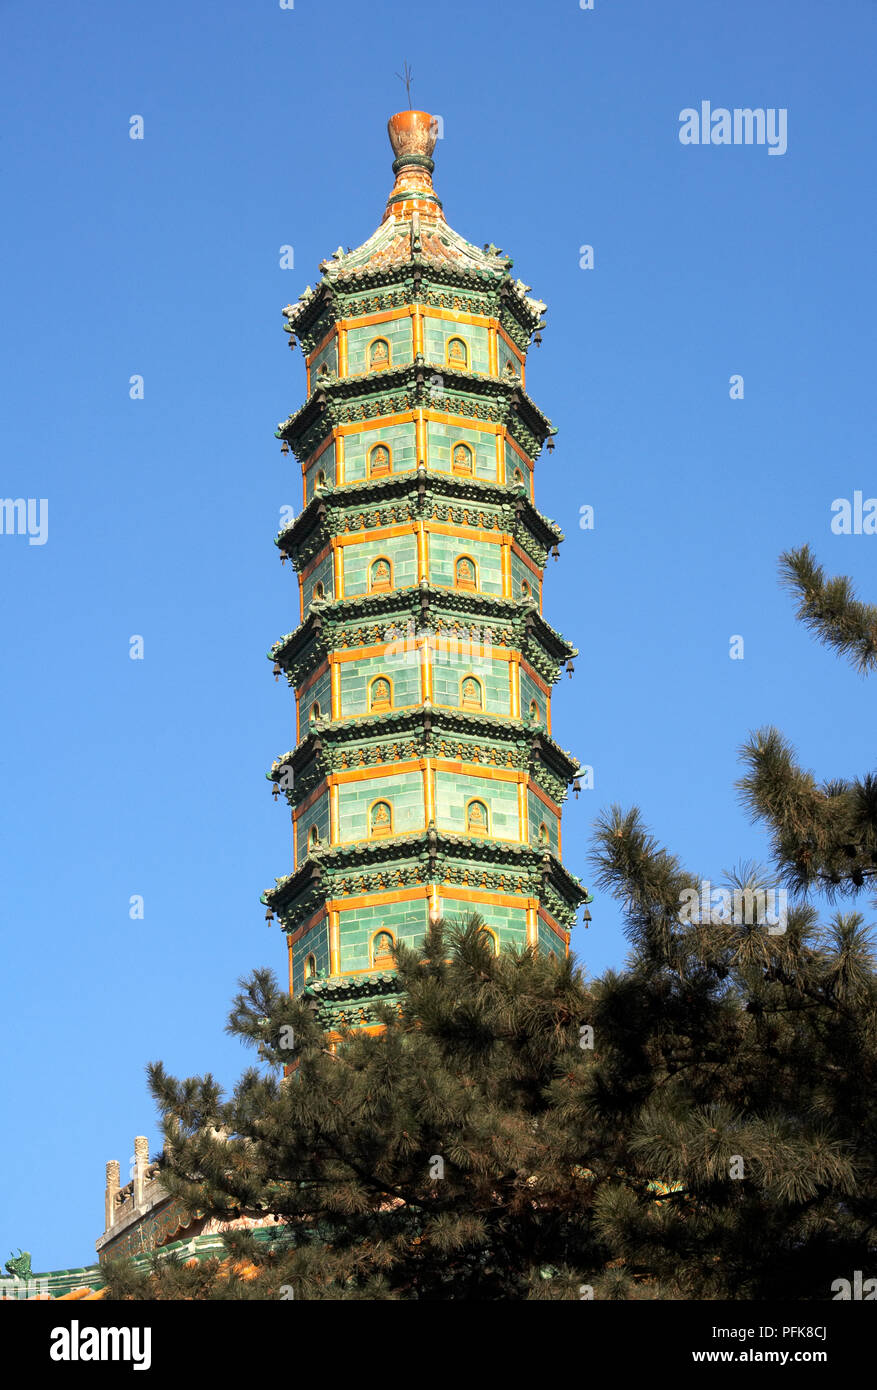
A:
(716, 1042)
(830, 609)
(823, 834)
(717, 1140)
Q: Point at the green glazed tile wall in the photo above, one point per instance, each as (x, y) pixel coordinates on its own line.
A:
(320, 691)
(400, 439)
(513, 461)
(322, 574)
(454, 789)
(327, 356)
(493, 674)
(316, 943)
(316, 815)
(510, 923)
(538, 813)
(436, 333)
(401, 551)
(398, 333)
(530, 691)
(521, 572)
(404, 792)
(550, 941)
(357, 675)
(407, 921)
(440, 439)
(444, 551)
(326, 464)
(505, 355)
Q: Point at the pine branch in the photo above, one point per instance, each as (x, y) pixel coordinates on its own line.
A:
(830, 609)
(821, 834)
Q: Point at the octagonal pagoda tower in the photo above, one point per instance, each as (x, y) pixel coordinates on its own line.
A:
(425, 780)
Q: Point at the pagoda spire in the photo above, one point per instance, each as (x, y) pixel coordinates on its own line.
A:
(412, 136)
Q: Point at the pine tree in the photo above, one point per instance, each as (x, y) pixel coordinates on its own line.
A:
(761, 1099)
(700, 1124)
(477, 1149)
(823, 834)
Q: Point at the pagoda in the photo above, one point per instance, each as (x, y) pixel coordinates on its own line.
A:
(425, 782)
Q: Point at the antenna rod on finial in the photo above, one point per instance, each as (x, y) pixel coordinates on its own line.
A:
(405, 76)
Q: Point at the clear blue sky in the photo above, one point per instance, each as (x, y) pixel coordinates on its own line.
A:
(159, 257)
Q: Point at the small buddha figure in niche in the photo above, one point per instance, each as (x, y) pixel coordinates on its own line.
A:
(379, 356)
(462, 459)
(472, 696)
(381, 819)
(465, 573)
(381, 575)
(477, 818)
(379, 461)
(457, 355)
(383, 948)
(380, 695)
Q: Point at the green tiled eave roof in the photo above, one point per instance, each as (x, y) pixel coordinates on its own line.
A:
(428, 846)
(497, 729)
(341, 1001)
(338, 988)
(423, 488)
(329, 614)
(330, 393)
(343, 276)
